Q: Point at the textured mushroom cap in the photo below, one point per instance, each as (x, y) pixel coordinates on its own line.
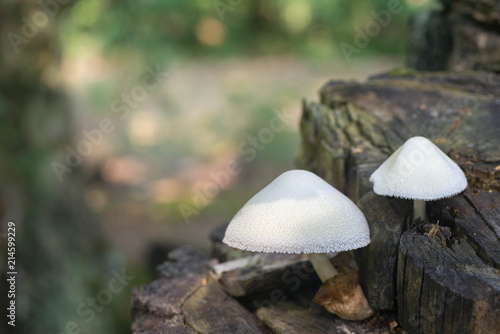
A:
(418, 170)
(298, 213)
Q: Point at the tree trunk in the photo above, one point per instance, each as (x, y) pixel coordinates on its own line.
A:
(59, 245)
(464, 35)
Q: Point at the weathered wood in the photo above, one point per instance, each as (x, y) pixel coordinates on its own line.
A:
(357, 126)
(160, 302)
(261, 273)
(187, 300)
(293, 311)
(444, 287)
(378, 259)
(477, 221)
(210, 310)
(361, 125)
(193, 301)
(292, 318)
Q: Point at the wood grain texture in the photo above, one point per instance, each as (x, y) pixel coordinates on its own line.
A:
(357, 126)
(445, 288)
(262, 273)
(186, 299)
(193, 301)
(211, 310)
(378, 259)
(292, 318)
(477, 221)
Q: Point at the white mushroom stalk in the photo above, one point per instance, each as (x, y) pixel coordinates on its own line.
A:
(420, 171)
(419, 210)
(301, 213)
(323, 266)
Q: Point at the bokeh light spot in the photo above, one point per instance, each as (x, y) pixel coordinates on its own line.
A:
(144, 128)
(124, 170)
(297, 16)
(167, 190)
(210, 32)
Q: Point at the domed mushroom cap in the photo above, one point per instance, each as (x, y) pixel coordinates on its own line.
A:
(418, 170)
(298, 213)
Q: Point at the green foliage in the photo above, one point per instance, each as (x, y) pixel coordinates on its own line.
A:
(227, 27)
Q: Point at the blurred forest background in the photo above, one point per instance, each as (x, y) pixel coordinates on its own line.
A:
(121, 120)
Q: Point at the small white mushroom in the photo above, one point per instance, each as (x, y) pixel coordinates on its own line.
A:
(299, 212)
(420, 171)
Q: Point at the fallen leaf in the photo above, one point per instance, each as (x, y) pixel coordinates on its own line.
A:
(434, 230)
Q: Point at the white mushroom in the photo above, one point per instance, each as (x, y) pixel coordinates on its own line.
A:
(299, 212)
(418, 170)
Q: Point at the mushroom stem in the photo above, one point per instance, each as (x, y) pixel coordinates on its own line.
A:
(418, 210)
(324, 268)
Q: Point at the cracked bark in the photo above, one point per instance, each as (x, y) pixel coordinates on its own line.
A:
(186, 299)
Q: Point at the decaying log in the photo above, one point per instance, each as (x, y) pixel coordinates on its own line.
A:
(477, 220)
(262, 273)
(189, 301)
(193, 300)
(357, 126)
(210, 310)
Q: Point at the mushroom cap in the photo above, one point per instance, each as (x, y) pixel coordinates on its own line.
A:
(298, 212)
(418, 170)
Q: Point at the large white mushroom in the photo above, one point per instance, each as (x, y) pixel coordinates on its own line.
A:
(299, 212)
(420, 171)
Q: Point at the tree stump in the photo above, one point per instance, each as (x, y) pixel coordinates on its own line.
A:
(437, 283)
